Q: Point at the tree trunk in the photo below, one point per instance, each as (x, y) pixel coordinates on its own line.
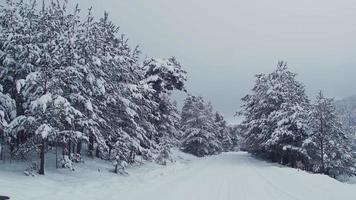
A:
(1, 154)
(56, 154)
(42, 157)
(2, 146)
(97, 153)
(282, 156)
(322, 145)
(79, 147)
(69, 147)
(322, 135)
(73, 148)
(91, 145)
(116, 169)
(110, 149)
(322, 157)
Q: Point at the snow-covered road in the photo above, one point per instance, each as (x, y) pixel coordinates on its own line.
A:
(230, 176)
(238, 176)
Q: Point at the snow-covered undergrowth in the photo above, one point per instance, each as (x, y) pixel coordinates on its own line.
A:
(228, 176)
(92, 179)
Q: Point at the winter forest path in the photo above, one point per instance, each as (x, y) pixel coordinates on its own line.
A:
(238, 176)
(230, 176)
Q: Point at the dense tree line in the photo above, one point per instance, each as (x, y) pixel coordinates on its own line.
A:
(205, 133)
(73, 84)
(283, 125)
(70, 82)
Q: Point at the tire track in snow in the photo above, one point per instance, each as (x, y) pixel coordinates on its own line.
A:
(269, 182)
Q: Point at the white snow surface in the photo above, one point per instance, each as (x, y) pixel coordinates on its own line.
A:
(229, 176)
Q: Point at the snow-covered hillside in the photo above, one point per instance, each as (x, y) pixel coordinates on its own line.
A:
(229, 176)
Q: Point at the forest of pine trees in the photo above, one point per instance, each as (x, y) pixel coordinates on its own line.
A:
(73, 85)
(281, 124)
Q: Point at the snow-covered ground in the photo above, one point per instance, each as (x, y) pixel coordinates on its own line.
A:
(230, 176)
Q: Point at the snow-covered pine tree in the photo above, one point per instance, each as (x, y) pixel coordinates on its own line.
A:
(18, 53)
(225, 136)
(7, 114)
(92, 96)
(47, 90)
(235, 133)
(200, 132)
(7, 109)
(121, 105)
(163, 76)
(328, 146)
(276, 114)
(119, 97)
(44, 113)
(75, 85)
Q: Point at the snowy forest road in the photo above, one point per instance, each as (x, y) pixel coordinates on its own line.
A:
(238, 176)
(229, 176)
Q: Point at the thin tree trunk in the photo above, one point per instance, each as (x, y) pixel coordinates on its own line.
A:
(1, 150)
(69, 147)
(56, 154)
(116, 169)
(282, 158)
(91, 145)
(74, 147)
(97, 152)
(322, 157)
(4, 153)
(79, 147)
(322, 145)
(64, 147)
(12, 148)
(10, 153)
(42, 157)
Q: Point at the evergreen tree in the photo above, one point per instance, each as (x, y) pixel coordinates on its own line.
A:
(200, 132)
(225, 136)
(235, 133)
(162, 77)
(7, 109)
(328, 145)
(7, 114)
(276, 116)
(47, 112)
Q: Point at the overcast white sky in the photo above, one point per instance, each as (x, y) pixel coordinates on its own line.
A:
(223, 43)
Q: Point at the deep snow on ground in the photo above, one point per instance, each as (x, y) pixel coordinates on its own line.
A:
(229, 176)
